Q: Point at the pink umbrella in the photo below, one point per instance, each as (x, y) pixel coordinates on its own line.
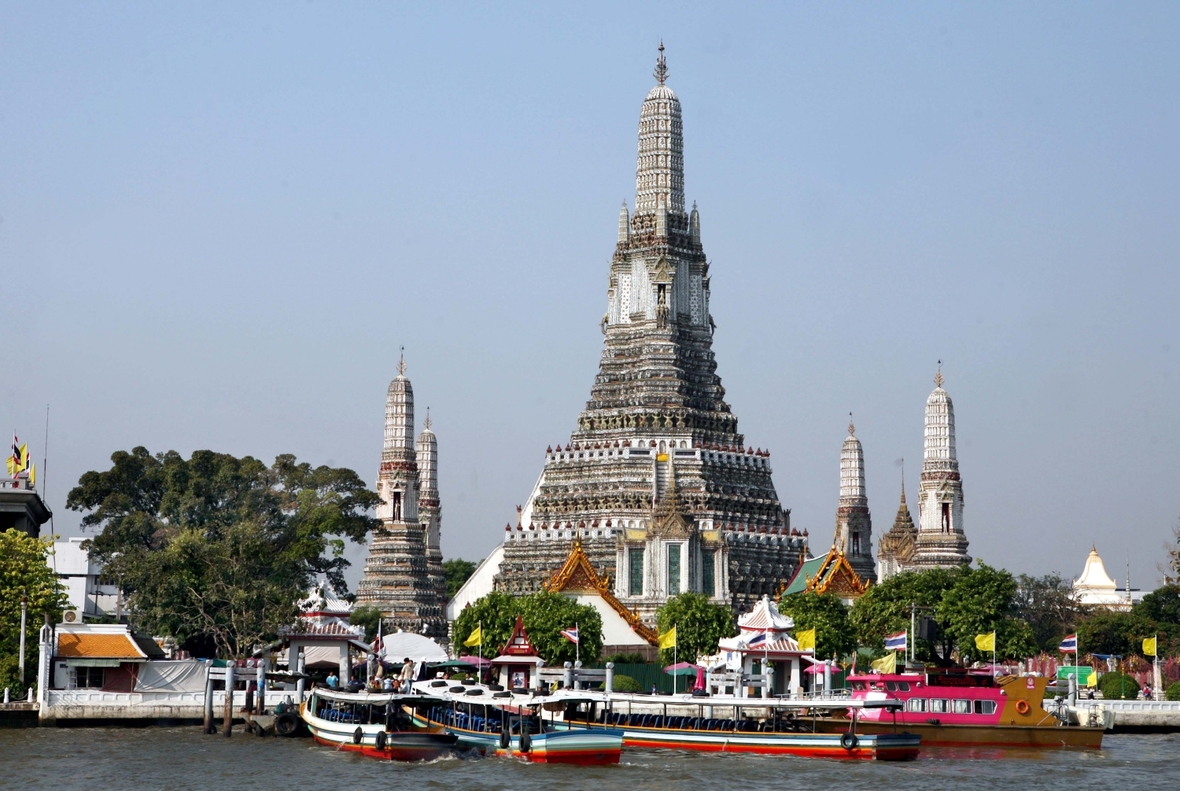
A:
(682, 669)
(478, 661)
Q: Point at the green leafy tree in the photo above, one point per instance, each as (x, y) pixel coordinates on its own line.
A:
(545, 615)
(368, 617)
(982, 600)
(1162, 606)
(834, 634)
(1047, 605)
(1171, 567)
(457, 571)
(494, 613)
(885, 609)
(25, 573)
(220, 548)
(1110, 632)
(700, 625)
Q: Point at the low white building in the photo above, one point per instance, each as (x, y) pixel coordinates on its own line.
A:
(89, 597)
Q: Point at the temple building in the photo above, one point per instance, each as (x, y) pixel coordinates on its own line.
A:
(895, 550)
(854, 523)
(656, 481)
(1095, 588)
(403, 572)
(941, 541)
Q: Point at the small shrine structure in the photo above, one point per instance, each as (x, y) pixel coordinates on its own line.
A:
(830, 573)
(518, 663)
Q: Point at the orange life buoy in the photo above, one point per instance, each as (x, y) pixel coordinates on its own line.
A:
(1022, 706)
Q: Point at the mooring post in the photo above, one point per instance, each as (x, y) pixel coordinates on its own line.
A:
(209, 697)
(609, 681)
(229, 698)
(261, 686)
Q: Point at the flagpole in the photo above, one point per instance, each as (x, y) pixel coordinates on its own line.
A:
(675, 659)
(577, 644)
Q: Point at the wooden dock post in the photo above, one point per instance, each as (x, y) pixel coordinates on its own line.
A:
(209, 728)
(228, 727)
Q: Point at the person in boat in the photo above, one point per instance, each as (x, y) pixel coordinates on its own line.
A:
(407, 676)
(333, 680)
(387, 684)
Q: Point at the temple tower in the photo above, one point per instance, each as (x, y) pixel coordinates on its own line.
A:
(397, 578)
(854, 523)
(657, 423)
(429, 506)
(941, 542)
(895, 550)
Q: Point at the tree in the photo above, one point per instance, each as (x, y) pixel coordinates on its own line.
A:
(368, 617)
(1047, 605)
(834, 635)
(1162, 606)
(1111, 632)
(980, 601)
(885, 609)
(1172, 566)
(219, 547)
(457, 571)
(700, 625)
(24, 572)
(545, 615)
(494, 614)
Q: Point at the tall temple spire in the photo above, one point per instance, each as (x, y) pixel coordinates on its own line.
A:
(399, 411)
(659, 171)
(854, 523)
(941, 541)
(657, 403)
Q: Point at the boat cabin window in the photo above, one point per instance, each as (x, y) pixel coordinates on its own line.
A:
(891, 686)
(961, 706)
(938, 705)
(985, 707)
(916, 704)
(903, 686)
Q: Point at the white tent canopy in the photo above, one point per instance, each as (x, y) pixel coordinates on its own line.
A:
(399, 645)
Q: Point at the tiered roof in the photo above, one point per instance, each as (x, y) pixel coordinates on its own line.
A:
(577, 575)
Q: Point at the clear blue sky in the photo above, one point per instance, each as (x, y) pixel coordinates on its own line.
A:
(219, 223)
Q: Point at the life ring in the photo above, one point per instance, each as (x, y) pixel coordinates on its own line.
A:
(380, 740)
(286, 724)
(1022, 706)
(849, 741)
(358, 735)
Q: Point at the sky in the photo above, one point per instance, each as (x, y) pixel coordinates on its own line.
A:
(219, 224)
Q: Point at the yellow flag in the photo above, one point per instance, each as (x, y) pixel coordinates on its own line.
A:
(886, 664)
(1092, 679)
(986, 642)
(806, 639)
(33, 475)
(1149, 646)
(24, 457)
(668, 639)
(475, 638)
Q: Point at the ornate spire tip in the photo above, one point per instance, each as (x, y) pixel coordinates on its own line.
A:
(938, 376)
(851, 426)
(427, 423)
(661, 72)
(401, 362)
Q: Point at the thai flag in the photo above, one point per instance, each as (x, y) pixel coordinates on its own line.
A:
(570, 634)
(1069, 645)
(895, 642)
(757, 639)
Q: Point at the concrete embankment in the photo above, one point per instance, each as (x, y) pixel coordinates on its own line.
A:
(1144, 716)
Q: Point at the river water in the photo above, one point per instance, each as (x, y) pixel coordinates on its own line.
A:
(183, 759)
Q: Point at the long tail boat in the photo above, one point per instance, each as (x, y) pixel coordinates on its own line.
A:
(735, 724)
(960, 708)
(492, 721)
(375, 724)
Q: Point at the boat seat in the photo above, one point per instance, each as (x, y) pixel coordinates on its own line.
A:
(657, 721)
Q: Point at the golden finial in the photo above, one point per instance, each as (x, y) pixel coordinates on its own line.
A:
(851, 427)
(426, 423)
(401, 363)
(938, 376)
(661, 72)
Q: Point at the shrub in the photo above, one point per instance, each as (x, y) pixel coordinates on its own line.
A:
(635, 658)
(627, 684)
(1118, 686)
(1172, 692)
